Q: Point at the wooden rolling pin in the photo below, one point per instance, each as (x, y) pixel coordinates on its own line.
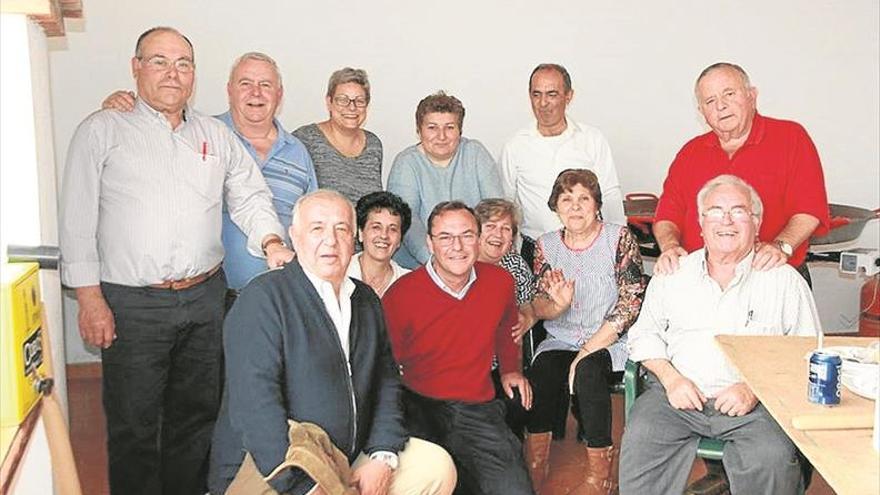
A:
(832, 421)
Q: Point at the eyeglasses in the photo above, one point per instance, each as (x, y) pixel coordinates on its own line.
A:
(162, 63)
(737, 214)
(344, 101)
(447, 240)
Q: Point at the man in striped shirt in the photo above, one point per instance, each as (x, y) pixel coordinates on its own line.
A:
(255, 93)
(140, 238)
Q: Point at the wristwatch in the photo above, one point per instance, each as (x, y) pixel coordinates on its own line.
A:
(785, 248)
(389, 458)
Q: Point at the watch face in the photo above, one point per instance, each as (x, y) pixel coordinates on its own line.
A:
(785, 247)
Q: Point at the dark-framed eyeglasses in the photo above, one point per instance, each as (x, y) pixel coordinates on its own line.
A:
(345, 100)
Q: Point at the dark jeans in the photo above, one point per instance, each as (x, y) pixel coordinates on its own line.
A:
(161, 386)
(593, 376)
(487, 456)
(515, 415)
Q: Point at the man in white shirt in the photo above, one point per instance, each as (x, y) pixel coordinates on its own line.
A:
(533, 158)
(692, 390)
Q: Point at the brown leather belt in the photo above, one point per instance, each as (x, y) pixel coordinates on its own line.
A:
(186, 283)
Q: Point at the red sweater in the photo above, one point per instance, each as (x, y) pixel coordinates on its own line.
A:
(445, 346)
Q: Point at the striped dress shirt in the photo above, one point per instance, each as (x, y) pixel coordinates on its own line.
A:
(141, 202)
(289, 173)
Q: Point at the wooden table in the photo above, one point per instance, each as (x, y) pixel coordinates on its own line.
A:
(776, 371)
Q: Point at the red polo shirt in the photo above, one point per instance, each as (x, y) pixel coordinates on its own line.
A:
(778, 159)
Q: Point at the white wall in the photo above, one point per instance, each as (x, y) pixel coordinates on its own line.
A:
(633, 65)
(28, 211)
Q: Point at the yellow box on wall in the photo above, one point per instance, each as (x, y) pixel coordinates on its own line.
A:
(21, 362)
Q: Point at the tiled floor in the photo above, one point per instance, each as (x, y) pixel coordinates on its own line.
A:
(88, 437)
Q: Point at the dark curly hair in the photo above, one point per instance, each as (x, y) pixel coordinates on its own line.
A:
(383, 200)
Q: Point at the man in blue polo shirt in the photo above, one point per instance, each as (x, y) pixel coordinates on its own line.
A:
(255, 92)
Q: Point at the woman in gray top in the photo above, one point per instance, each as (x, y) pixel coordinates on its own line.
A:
(443, 166)
(347, 158)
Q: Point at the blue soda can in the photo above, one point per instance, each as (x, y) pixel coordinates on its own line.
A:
(824, 383)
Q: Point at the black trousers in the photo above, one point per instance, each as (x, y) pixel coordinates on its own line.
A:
(515, 414)
(162, 385)
(593, 376)
(487, 456)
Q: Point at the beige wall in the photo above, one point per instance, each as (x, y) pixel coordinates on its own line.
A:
(633, 65)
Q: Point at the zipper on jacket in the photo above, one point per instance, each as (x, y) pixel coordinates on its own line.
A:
(354, 419)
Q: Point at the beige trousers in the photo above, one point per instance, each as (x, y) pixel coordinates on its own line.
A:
(425, 469)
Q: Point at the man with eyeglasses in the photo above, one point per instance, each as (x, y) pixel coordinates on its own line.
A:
(776, 156)
(140, 237)
(446, 320)
(255, 92)
(692, 390)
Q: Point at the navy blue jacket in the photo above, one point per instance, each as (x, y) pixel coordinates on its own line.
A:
(284, 360)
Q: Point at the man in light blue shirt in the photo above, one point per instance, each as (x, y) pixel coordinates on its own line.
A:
(255, 92)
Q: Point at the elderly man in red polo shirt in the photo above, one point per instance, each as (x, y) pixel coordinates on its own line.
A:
(777, 157)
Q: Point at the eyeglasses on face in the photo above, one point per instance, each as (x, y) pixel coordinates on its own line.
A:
(446, 240)
(737, 213)
(344, 101)
(163, 63)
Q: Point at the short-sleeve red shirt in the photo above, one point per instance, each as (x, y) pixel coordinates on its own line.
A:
(778, 159)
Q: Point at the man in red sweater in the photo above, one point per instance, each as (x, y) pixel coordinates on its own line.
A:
(446, 320)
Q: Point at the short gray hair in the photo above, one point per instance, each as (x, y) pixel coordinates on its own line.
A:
(730, 180)
(349, 75)
(490, 208)
(322, 193)
(260, 57)
(723, 65)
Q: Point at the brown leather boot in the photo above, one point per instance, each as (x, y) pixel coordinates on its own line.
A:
(536, 449)
(598, 480)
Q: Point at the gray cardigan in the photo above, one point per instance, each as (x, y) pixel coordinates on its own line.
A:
(284, 360)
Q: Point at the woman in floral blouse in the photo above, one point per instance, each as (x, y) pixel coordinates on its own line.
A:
(592, 291)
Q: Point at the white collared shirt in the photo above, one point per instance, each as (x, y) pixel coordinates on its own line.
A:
(445, 288)
(339, 308)
(684, 311)
(530, 163)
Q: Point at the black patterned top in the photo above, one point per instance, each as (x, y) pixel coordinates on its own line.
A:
(524, 286)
